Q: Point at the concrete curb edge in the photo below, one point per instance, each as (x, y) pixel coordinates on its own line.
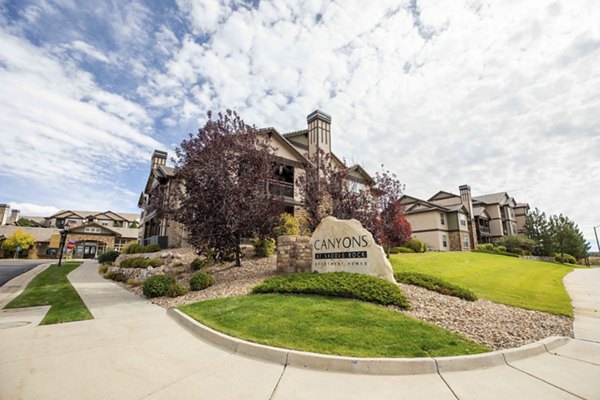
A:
(369, 366)
(10, 291)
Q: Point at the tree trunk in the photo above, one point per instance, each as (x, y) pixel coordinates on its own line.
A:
(238, 250)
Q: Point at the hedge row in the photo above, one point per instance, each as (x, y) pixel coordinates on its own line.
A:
(141, 262)
(434, 284)
(336, 284)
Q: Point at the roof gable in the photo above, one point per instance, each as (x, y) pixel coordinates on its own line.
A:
(103, 229)
(441, 195)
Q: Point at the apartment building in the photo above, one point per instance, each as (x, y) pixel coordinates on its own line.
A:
(487, 218)
(292, 152)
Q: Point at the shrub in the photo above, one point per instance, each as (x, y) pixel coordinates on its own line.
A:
(263, 247)
(488, 246)
(288, 225)
(501, 248)
(416, 245)
(176, 290)
(118, 276)
(401, 249)
(108, 256)
(133, 282)
(141, 262)
(151, 248)
(336, 284)
(201, 280)
(199, 263)
(133, 248)
(434, 284)
(566, 258)
(516, 243)
(157, 285)
(102, 268)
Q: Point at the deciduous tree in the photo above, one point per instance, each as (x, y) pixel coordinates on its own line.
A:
(19, 238)
(222, 197)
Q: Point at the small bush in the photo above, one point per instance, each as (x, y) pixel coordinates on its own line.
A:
(176, 290)
(434, 284)
(201, 280)
(501, 248)
(102, 268)
(133, 282)
(417, 245)
(141, 262)
(264, 247)
(288, 225)
(199, 263)
(133, 248)
(118, 277)
(566, 258)
(336, 284)
(108, 256)
(157, 285)
(401, 249)
(151, 248)
(488, 246)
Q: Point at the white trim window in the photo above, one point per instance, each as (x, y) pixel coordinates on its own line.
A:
(465, 241)
(92, 229)
(442, 219)
(463, 220)
(444, 241)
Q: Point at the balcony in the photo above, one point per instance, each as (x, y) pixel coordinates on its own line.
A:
(484, 229)
(281, 188)
(162, 241)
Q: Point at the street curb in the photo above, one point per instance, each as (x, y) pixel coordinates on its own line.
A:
(16, 285)
(368, 366)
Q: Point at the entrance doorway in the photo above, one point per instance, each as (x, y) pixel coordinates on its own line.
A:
(89, 249)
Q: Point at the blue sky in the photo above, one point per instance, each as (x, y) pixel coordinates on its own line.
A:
(497, 95)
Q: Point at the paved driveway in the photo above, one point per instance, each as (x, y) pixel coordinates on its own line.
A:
(12, 268)
(133, 350)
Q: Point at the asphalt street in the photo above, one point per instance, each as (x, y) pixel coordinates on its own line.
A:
(12, 268)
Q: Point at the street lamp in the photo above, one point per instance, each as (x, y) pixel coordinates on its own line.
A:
(63, 240)
(596, 233)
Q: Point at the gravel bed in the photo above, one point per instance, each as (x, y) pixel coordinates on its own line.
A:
(495, 325)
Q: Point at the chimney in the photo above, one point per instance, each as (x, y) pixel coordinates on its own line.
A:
(319, 132)
(467, 201)
(159, 158)
(14, 217)
(3, 213)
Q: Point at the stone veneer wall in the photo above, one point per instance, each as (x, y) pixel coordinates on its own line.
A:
(455, 244)
(294, 254)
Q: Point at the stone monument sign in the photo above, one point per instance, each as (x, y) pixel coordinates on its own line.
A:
(345, 246)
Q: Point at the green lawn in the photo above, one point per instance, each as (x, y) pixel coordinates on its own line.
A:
(329, 326)
(533, 285)
(52, 287)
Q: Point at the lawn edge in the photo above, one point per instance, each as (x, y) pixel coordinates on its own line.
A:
(23, 280)
(358, 365)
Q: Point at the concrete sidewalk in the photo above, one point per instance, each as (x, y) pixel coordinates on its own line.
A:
(583, 286)
(133, 350)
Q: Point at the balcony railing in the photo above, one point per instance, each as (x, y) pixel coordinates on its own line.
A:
(281, 188)
(162, 241)
(484, 229)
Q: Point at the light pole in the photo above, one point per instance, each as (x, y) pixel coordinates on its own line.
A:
(63, 239)
(596, 233)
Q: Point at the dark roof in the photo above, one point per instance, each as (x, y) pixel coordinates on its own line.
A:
(447, 195)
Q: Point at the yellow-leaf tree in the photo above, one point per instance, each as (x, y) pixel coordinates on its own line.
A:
(18, 238)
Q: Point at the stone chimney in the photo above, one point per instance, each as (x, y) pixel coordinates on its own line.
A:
(159, 158)
(4, 213)
(467, 201)
(319, 132)
(14, 217)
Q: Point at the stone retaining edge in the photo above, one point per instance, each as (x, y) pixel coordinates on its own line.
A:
(369, 366)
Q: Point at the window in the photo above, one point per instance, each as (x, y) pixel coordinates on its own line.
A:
(72, 221)
(92, 229)
(442, 219)
(104, 223)
(465, 241)
(444, 241)
(463, 219)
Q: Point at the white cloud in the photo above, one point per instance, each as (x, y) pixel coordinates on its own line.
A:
(58, 125)
(34, 210)
(494, 94)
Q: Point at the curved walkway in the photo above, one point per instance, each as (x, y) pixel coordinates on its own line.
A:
(133, 350)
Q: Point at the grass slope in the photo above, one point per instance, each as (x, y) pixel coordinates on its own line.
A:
(329, 326)
(52, 287)
(533, 285)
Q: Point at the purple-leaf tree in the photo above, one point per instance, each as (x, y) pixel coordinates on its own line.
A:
(224, 172)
